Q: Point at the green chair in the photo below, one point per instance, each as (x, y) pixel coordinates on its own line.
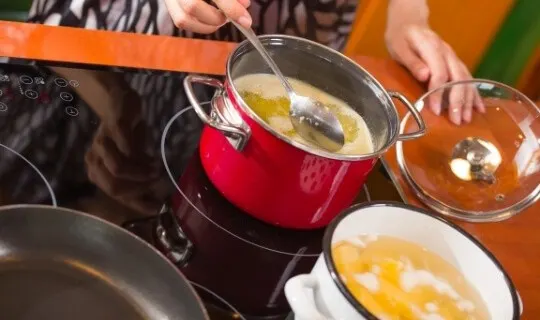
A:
(14, 10)
(514, 44)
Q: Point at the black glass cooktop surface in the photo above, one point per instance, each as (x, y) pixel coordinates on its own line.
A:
(122, 144)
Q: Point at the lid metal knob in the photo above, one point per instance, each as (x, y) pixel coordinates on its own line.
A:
(475, 159)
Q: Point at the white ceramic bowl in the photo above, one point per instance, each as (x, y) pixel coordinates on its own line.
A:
(322, 295)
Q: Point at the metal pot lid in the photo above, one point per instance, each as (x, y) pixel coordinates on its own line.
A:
(485, 170)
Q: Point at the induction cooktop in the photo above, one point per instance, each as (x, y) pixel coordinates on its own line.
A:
(121, 144)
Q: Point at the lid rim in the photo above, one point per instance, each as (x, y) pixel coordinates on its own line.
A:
(478, 80)
(448, 210)
(453, 212)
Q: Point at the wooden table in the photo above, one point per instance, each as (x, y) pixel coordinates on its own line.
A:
(515, 242)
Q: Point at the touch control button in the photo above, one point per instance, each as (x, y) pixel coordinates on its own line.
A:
(74, 83)
(3, 107)
(26, 79)
(31, 94)
(66, 96)
(61, 82)
(72, 111)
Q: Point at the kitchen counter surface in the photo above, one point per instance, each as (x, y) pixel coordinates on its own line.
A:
(515, 242)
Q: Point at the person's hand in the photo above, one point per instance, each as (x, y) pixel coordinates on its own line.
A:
(412, 43)
(201, 17)
(117, 161)
(131, 179)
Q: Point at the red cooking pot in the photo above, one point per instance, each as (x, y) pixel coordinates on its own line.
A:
(272, 177)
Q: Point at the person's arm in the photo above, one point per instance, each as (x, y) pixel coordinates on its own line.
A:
(411, 42)
(413, 10)
(407, 13)
(117, 161)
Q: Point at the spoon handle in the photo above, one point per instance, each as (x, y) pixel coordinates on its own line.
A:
(252, 37)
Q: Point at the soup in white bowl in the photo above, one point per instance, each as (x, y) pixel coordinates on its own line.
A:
(467, 273)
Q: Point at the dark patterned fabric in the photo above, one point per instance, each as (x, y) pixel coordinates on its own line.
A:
(29, 133)
(325, 21)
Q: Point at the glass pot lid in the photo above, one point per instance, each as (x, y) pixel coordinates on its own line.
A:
(326, 70)
(487, 169)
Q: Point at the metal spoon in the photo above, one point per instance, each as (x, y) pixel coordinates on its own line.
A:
(310, 118)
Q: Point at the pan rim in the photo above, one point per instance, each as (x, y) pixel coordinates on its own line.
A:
(121, 230)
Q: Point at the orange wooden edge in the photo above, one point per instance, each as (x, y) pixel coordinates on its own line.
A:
(34, 41)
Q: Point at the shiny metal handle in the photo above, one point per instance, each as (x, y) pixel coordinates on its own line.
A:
(416, 115)
(175, 244)
(237, 134)
(252, 37)
(188, 87)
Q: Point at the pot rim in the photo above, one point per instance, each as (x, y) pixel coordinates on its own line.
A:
(318, 152)
(332, 269)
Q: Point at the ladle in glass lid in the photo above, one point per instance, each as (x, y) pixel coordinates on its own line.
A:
(485, 170)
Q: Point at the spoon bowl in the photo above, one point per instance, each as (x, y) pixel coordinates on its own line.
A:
(313, 122)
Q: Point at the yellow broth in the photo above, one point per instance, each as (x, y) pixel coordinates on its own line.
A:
(264, 94)
(266, 108)
(396, 279)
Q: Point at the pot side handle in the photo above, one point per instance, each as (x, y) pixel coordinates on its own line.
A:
(237, 135)
(416, 115)
(174, 243)
(298, 295)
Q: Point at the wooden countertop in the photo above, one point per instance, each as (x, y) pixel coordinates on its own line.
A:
(515, 242)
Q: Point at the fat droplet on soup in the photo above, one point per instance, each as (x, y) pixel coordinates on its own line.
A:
(265, 95)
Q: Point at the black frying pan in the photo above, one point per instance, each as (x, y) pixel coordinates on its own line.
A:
(58, 264)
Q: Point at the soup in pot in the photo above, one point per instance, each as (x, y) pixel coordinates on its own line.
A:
(397, 279)
(265, 95)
